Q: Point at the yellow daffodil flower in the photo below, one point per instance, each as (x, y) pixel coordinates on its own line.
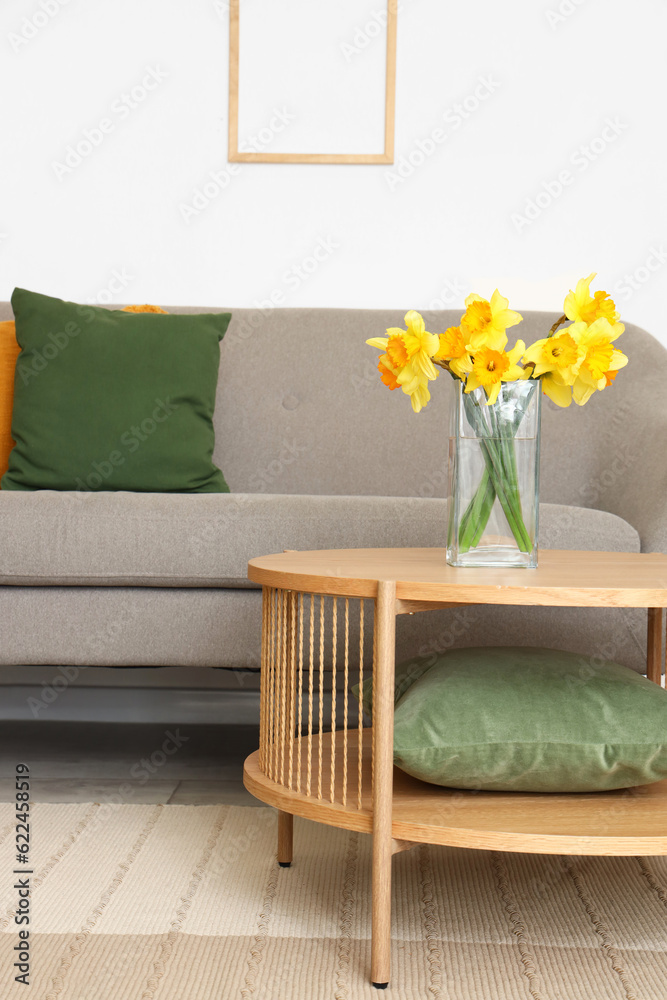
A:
(413, 346)
(484, 323)
(582, 307)
(556, 361)
(453, 350)
(552, 354)
(407, 358)
(491, 368)
(599, 360)
(586, 384)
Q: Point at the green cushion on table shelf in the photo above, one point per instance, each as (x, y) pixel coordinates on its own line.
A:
(112, 400)
(527, 719)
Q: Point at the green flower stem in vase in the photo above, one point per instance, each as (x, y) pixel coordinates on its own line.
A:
(493, 526)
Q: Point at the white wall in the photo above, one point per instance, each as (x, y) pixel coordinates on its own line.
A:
(555, 80)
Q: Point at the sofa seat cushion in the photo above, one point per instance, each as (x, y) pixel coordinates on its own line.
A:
(50, 538)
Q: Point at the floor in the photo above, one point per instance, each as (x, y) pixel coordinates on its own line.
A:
(132, 763)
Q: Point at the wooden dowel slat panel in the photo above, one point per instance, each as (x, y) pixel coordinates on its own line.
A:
(360, 714)
(301, 741)
(311, 671)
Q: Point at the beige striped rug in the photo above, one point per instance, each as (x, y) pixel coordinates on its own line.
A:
(140, 902)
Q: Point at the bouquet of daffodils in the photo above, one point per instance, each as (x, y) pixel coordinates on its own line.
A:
(571, 362)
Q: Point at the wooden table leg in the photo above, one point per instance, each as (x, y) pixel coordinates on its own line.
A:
(654, 645)
(383, 765)
(285, 838)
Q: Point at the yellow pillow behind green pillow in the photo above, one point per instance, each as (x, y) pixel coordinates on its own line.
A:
(9, 352)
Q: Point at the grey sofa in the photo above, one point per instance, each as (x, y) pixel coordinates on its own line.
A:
(319, 454)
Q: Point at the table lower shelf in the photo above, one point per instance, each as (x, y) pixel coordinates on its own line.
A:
(626, 822)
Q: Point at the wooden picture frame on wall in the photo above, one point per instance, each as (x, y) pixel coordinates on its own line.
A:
(239, 152)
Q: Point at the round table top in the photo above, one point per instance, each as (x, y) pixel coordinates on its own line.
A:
(562, 578)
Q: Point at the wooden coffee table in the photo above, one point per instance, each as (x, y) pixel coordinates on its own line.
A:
(316, 759)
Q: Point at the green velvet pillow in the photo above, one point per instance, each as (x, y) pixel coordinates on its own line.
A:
(112, 400)
(525, 719)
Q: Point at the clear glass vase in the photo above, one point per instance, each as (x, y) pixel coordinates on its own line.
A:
(494, 476)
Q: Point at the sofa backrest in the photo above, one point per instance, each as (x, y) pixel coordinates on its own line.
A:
(301, 409)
